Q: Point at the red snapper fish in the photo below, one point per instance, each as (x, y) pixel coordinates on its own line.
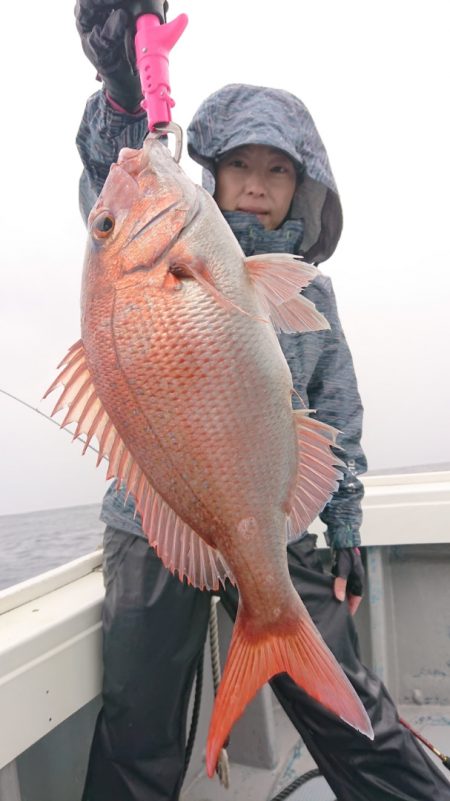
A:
(180, 377)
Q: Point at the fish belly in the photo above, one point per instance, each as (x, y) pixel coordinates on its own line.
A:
(201, 397)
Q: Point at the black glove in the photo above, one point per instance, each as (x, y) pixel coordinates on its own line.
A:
(347, 564)
(107, 37)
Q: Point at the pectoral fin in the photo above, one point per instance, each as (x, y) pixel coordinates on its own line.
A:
(200, 272)
(278, 279)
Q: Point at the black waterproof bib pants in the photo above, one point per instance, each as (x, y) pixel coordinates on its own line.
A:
(154, 629)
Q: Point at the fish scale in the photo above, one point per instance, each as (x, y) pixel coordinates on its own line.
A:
(192, 414)
(180, 375)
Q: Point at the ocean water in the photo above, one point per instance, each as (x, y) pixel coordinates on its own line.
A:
(34, 542)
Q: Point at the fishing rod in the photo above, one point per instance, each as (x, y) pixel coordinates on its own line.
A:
(46, 416)
(444, 759)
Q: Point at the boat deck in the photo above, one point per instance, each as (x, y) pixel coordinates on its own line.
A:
(51, 670)
(254, 784)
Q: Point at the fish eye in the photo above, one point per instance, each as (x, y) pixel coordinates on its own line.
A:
(103, 225)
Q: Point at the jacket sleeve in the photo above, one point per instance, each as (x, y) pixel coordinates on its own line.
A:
(333, 393)
(103, 132)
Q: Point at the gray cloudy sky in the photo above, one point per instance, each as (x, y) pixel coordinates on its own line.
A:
(375, 77)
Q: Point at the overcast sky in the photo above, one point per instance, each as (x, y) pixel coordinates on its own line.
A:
(375, 77)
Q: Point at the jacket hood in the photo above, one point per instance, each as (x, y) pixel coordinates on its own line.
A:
(241, 114)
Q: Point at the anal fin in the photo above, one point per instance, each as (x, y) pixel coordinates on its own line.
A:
(179, 547)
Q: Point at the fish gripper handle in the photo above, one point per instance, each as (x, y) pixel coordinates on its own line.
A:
(153, 43)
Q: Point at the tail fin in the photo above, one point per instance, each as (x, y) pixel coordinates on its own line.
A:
(254, 659)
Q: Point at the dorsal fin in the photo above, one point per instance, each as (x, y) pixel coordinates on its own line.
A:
(179, 547)
(317, 473)
(278, 279)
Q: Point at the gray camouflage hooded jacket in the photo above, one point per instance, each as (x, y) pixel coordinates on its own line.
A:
(320, 362)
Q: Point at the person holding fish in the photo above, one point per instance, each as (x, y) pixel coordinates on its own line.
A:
(207, 427)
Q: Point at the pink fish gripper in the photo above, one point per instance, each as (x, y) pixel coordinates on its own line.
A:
(153, 43)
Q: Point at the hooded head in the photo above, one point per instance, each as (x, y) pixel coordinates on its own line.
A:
(240, 114)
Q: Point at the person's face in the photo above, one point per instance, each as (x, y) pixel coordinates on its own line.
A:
(258, 180)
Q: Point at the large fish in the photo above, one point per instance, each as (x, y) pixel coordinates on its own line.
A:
(180, 376)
